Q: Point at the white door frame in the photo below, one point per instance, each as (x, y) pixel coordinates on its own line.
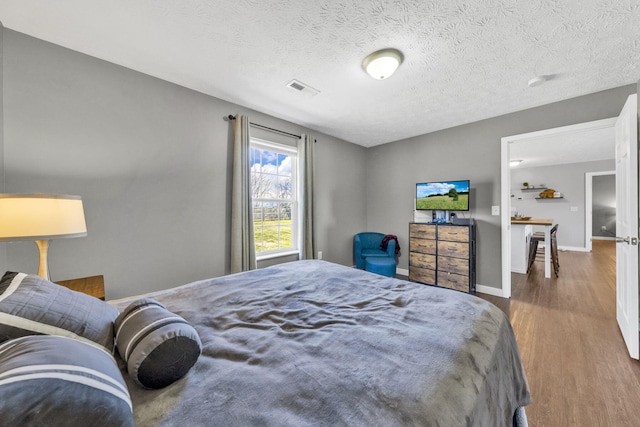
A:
(588, 208)
(506, 185)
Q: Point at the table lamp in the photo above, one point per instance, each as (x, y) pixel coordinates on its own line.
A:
(41, 217)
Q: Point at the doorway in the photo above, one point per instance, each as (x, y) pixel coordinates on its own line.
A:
(573, 132)
(600, 196)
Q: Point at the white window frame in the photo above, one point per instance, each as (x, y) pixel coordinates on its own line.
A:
(292, 152)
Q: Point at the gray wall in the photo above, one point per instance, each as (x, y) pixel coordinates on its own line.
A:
(151, 161)
(472, 152)
(568, 179)
(604, 205)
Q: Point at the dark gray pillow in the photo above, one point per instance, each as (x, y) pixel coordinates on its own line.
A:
(158, 346)
(31, 305)
(48, 380)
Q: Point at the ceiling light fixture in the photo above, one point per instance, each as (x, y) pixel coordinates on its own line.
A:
(382, 63)
(513, 163)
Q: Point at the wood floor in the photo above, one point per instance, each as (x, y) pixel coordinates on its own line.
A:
(578, 368)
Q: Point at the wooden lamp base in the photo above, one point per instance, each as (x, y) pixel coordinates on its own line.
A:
(43, 267)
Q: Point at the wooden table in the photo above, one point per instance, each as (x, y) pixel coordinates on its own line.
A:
(93, 285)
(546, 223)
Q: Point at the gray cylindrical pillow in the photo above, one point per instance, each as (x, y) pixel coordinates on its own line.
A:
(158, 346)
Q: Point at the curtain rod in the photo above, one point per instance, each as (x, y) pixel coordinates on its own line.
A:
(231, 117)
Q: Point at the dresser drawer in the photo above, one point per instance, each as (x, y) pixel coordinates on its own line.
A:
(422, 231)
(423, 246)
(453, 233)
(453, 249)
(422, 260)
(453, 281)
(453, 265)
(422, 275)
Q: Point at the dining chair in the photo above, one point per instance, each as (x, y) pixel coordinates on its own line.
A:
(538, 237)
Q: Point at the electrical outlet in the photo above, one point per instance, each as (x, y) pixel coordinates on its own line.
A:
(319, 254)
(574, 209)
(495, 210)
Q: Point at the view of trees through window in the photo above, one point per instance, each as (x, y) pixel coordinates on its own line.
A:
(273, 193)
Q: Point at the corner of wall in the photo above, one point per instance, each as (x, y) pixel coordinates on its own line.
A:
(3, 251)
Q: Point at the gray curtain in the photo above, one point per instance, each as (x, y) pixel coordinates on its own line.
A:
(307, 238)
(243, 249)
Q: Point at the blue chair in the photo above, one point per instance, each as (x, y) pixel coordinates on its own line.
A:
(368, 245)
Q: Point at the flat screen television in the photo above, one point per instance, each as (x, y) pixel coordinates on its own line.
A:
(443, 196)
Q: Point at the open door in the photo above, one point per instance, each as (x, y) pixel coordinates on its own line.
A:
(627, 225)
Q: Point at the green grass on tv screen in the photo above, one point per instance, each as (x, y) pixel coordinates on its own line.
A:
(444, 203)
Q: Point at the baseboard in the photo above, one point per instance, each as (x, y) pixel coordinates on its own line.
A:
(567, 248)
(572, 249)
(490, 290)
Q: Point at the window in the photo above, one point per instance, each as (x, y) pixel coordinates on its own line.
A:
(274, 196)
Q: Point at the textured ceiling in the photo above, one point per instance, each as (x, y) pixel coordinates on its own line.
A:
(465, 60)
(576, 147)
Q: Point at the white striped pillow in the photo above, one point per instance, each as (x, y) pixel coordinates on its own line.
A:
(31, 305)
(158, 346)
(54, 380)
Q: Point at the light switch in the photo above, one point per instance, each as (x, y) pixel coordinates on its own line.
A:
(495, 210)
(574, 209)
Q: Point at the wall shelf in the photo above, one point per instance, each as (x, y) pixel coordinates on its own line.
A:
(533, 189)
(549, 198)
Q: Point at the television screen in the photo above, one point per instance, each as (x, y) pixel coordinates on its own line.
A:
(443, 196)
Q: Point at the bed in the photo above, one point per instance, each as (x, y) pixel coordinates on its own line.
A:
(307, 343)
(311, 343)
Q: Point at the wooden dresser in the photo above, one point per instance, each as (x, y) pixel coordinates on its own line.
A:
(443, 255)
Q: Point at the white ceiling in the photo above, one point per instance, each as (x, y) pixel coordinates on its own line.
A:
(585, 145)
(465, 60)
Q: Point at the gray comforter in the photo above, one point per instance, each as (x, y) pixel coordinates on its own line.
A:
(311, 343)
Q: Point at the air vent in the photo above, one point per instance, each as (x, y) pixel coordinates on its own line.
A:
(295, 85)
(302, 88)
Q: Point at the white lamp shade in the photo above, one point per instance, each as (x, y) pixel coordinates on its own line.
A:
(383, 63)
(40, 217)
